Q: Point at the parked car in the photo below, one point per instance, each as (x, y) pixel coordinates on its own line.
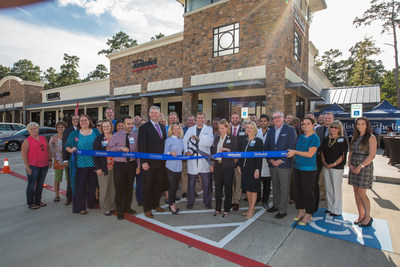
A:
(8, 129)
(14, 142)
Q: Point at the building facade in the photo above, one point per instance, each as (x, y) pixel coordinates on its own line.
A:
(231, 54)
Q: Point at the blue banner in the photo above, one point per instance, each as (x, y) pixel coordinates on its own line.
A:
(140, 155)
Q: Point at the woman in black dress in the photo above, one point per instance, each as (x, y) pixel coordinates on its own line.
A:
(250, 168)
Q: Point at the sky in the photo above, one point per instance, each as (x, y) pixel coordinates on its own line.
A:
(43, 32)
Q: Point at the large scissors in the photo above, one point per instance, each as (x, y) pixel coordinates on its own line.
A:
(194, 147)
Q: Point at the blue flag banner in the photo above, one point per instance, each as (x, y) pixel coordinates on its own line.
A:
(140, 155)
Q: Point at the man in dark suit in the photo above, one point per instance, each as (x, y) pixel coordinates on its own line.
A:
(240, 134)
(66, 155)
(151, 139)
(280, 137)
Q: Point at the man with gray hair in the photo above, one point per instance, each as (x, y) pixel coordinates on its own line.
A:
(281, 137)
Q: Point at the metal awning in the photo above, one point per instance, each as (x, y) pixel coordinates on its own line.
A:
(70, 101)
(162, 93)
(123, 97)
(368, 94)
(237, 85)
(305, 90)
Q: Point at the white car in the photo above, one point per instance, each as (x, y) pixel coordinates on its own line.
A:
(8, 129)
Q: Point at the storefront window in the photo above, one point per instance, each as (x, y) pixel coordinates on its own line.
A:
(138, 110)
(226, 40)
(195, 4)
(49, 118)
(124, 111)
(93, 114)
(175, 107)
(35, 117)
(68, 115)
(300, 107)
(200, 106)
(223, 108)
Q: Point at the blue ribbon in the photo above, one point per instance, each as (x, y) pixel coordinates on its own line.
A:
(141, 155)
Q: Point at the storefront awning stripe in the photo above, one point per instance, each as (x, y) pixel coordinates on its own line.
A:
(162, 93)
(123, 97)
(66, 102)
(227, 86)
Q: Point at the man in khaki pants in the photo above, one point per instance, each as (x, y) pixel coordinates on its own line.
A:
(240, 134)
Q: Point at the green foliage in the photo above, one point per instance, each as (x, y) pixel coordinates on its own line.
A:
(157, 36)
(388, 87)
(4, 71)
(119, 42)
(69, 71)
(25, 70)
(51, 78)
(100, 72)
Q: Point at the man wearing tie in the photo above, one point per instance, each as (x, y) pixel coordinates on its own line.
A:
(125, 169)
(281, 137)
(240, 134)
(151, 139)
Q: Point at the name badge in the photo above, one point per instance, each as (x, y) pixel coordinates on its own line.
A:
(104, 143)
(228, 141)
(131, 140)
(340, 140)
(283, 134)
(252, 143)
(241, 133)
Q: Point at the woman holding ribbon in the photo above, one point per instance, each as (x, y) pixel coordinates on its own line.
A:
(304, 171)
(82, 173)
(250, 168)
(174, 147)
(104, 169)
(334, 153)
(223, 168)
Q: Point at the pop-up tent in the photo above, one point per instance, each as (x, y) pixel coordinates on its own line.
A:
(337, 110)
(384, 110)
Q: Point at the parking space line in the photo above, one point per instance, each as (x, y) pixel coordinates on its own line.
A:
(205, 226)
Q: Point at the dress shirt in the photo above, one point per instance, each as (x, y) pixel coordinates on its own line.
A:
(118, 141)
(277, 133)
(174, 143)
(220, 145)
(155, 127)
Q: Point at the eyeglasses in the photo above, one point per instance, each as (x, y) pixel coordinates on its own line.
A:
(276, 117)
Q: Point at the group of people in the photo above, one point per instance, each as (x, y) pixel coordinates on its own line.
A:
(312, 149)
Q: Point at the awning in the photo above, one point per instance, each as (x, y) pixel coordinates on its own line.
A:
(237, 85)
(368, 94)
(162, 93)
(68, 102)
(123, 97)
(305, 90)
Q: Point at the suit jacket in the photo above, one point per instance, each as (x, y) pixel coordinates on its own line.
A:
(66, 134)
(230, 142)
(286, 140)
(252, 163)
(100, 162)
(150, 142)
(241, 136)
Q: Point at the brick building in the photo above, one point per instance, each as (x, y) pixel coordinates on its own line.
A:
(15, 95)
(231, 54)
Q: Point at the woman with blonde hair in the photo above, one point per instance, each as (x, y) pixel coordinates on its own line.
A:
(174, 147)
(334, 153)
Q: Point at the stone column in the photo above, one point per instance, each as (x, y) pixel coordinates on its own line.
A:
(42, 117)
(146, 103)
(116, 106)
(13, 116)
(190, 104)
(290, 104)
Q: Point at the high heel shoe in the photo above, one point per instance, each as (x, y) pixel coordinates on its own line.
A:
(368, 224)
(358, 222)
(216, 213)
(225, 214)
(173, 212)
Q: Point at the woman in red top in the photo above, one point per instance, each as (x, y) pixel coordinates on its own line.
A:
(37, 160)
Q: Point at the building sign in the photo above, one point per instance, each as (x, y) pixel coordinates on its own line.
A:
(53, 96)
(356, 110)
(2, 95)
(245, 113)
(140, 64)
(299, 21)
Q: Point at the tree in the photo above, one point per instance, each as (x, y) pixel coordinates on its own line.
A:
(25, 70)
(157, 36)
(388, 14)
(69, 73)
(4, 71)
(100, 72)
(119, 42)
(388, 87)
(337, 71)
(51, 78)
(363, 67)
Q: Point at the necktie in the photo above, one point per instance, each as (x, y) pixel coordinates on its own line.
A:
(127, 145)
(234, 131)
(158, 131)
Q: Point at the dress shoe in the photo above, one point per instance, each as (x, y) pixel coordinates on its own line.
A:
(208, 206)
(334, 215)
(177, 198)
(327, 211)
(173, 212)
(130, 211)
(225, 214)
(272, 209)
(196, 195)
(235, 207)
(216, 213)
(184, 195)
(166, 201)
(159, 209)
(265, 205)
(120, 216)
(108, 213)
(68, 202)
(149, 214)
(189, 207)
(140, 204)
(358, 222)
(368, 224)
(280, 215)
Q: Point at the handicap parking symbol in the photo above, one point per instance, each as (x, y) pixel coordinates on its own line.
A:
(342, 227)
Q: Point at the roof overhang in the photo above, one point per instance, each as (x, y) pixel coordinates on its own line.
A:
(87, 100)
(162, 93)
(249, 84)
(305, 90)
(123, 97)
(317, 5)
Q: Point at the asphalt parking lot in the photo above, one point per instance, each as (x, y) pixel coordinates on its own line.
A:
(53, 236)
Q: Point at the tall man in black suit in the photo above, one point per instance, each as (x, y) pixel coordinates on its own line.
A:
(151, 139)
(240, 134)
(66, 155)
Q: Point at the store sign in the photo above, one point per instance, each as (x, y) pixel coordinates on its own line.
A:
(140, 64)
(53, 96)
(2, 95)
(356, 110)
(298, 20)
(245, 113)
